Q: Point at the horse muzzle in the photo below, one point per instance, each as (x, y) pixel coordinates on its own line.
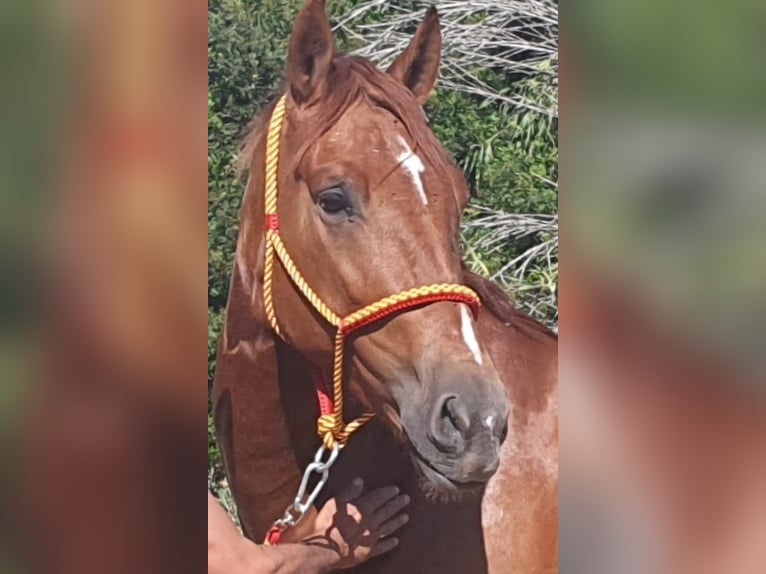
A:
(456, 437)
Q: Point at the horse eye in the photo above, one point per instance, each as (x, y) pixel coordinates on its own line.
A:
(333, 201)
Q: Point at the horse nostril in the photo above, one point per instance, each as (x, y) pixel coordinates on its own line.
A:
(449, 425)
(456, 413)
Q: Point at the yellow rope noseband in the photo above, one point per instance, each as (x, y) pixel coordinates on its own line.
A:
(330, 425)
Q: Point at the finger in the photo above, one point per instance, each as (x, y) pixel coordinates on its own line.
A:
(351, 492)
(391, 526)
(385, 545)
(389, 509)
(370, 502)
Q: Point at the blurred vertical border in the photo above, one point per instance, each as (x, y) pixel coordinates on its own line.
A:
(662, 308)
(102, 258)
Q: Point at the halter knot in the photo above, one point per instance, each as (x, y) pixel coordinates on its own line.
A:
(329, 423)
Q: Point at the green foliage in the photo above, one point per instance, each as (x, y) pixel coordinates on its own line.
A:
(246, 48)
(503, 153)
(247, 41)
(510, 157)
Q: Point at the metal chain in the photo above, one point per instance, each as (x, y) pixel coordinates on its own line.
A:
(297, 510)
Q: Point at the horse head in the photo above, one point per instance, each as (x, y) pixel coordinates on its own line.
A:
(370, 205)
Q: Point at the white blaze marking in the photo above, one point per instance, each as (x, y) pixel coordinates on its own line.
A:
(489, 422)
(469, 336)
(414, 167)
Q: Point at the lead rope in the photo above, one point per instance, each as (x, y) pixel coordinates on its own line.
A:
(330, 426)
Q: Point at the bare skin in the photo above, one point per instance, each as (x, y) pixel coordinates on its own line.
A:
(347, 531)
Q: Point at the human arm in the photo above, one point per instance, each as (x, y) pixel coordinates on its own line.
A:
(348, 530)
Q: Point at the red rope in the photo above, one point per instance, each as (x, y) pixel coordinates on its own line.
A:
(274, 536)
(272, 221)
(408, 304)
(323, 392)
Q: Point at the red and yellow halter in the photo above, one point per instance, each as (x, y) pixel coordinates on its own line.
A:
(330, 426)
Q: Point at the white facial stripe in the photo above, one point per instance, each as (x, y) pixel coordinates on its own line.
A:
(414, 167)
(469, 336)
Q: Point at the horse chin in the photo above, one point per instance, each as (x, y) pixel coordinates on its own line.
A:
(440, 488)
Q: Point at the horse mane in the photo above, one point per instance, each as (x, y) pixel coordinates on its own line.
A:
(352, 78)
(502, 308)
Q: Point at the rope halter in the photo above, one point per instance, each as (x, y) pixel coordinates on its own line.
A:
(330, 426)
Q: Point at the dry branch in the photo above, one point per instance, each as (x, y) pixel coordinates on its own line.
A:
(510, 35)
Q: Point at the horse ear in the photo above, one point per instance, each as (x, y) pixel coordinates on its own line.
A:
(309, 57)
(418, 66)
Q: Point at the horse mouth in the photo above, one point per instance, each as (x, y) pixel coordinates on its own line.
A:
(439, 483)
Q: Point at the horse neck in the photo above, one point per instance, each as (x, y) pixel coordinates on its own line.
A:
(524, 351)
(525, 354)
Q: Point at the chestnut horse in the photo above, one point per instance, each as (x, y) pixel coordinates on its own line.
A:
(370, 205)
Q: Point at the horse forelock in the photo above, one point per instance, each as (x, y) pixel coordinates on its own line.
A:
(352, 79)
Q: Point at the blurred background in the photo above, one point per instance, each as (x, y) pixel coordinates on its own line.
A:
(102, 258)
(663, 349)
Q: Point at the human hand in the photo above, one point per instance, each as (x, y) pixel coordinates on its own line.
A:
(357, 527)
